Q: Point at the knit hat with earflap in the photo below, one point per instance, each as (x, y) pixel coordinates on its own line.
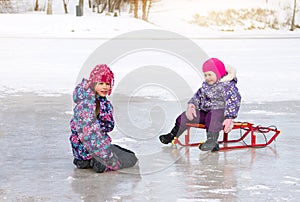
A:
(215, 65)
(102, 73)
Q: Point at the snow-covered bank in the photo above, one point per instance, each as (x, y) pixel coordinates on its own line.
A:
(267, 69)
(39, 25)
(230, 16)
(172, 15)
(44, 53)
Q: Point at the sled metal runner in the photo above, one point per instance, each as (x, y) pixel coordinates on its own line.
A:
(245, 130)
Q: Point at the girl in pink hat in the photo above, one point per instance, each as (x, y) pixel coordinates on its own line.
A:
(91, 122)
(215, 104)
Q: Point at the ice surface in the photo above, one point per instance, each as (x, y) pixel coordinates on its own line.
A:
(36, 160)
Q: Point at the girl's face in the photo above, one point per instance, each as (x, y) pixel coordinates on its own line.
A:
(102, 88)
(210, 77)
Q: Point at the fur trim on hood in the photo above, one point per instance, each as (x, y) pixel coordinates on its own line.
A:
(231, 74)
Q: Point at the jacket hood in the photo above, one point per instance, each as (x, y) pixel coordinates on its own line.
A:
(231, 74)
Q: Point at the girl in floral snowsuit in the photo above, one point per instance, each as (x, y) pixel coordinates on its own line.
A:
(215, 104)
(92, 120)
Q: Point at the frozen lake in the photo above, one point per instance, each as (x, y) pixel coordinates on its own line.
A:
(36, 160)
(38, 75)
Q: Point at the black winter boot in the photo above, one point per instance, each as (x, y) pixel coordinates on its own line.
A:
(97, 166)
(126, 157)
(168, 138)
(82, 164)
(211, 142)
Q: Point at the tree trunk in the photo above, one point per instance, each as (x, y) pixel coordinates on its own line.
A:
(49, 7)
(149, 7)
(146, 5)
(36, 7)
(136, 8)
(81, 6)
(131, 6)
(144, 10)
(293, 18)
(110, 6)
(65, 6)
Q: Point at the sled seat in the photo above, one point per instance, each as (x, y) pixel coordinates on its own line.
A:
(245, 128)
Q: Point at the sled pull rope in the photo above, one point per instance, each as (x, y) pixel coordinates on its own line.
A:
(261, 129)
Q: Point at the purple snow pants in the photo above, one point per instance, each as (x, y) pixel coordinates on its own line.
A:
(213, 120)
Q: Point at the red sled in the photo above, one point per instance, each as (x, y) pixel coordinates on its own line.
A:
(248, 133)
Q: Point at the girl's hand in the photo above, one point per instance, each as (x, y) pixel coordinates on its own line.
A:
(88, 85)
(228, 125)
(191, 112)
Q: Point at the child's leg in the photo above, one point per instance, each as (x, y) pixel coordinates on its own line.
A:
(180, 127)
(213, 123)
(81, 156)
(214, 120)
(126, 157)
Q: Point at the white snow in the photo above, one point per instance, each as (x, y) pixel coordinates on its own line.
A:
(44, 53)
(269, 113)
(257, 187)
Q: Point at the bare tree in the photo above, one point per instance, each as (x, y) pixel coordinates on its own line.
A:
(49, 7)
(146, 5)
(6, 6)
(114, 6)
(293, 18)
(65, 3)
(81, 6)
(36, 7)
(136, 8)
(104, 3)
(144, 8)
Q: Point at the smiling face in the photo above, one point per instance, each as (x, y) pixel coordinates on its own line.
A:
(210, 77)
(102, 79)
(102, 88)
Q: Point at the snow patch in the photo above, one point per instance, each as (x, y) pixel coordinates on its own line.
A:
(289, 182)
(222, 191)
(269, 113)
(70, 179)
(257, 187)
(292, 178)
(69, 112)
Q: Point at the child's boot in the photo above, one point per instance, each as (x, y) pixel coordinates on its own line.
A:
(211, 143)
(97, 166)
(168, 138)
(81, 164)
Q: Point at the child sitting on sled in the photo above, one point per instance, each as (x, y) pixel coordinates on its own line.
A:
(215, 104)
(91, 122)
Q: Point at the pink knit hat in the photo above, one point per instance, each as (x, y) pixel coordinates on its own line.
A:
(215, 65)
(102, 73)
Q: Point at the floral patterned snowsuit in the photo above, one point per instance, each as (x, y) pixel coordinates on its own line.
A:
(89, 138)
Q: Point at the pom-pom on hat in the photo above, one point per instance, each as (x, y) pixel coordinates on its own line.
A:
(102, 73)
(215, 65)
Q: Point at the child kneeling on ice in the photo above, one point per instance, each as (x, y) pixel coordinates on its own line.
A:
(91, 122)
(215, 104)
